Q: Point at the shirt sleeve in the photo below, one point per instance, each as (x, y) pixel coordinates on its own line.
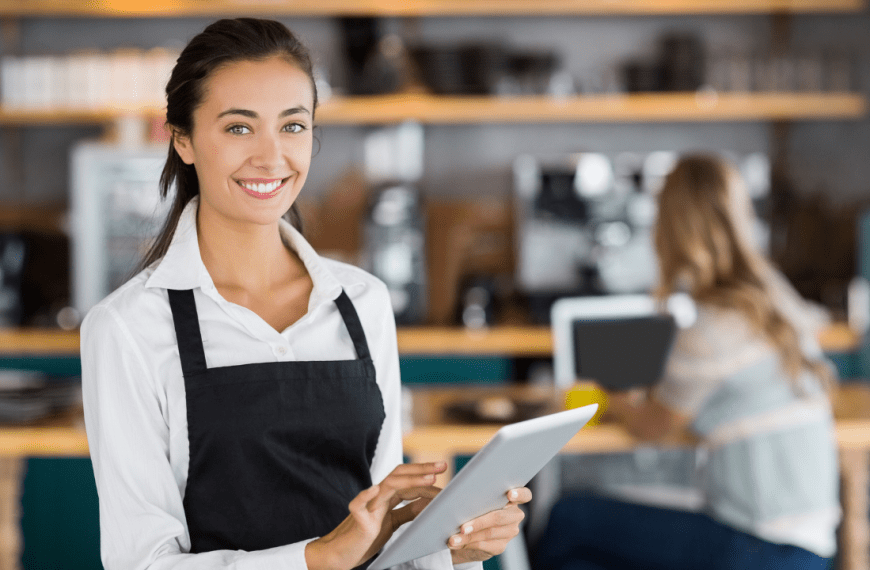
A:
(683, 391)
(720, 343)
(389, 451)
(142, 522)
(696, 366)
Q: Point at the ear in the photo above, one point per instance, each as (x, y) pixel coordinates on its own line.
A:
(183, 146)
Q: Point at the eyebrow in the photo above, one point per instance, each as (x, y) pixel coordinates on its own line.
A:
(254, 115)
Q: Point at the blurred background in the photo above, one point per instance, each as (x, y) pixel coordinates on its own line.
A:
(483, 159)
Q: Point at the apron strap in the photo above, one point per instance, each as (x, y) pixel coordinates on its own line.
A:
(354, 327)
(187, 331)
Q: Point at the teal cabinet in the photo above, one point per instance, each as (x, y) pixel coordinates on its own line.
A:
(60, 521)
(455, 369)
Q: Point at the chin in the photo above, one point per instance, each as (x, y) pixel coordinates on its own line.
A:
(269, 212)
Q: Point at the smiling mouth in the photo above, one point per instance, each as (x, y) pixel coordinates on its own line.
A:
(262, 187)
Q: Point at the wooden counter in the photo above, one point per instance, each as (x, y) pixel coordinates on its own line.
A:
(65, 436)
(535, 341)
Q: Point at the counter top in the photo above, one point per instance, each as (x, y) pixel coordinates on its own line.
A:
(518, 340)
(64, 435)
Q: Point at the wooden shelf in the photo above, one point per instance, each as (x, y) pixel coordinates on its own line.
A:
(516, 341)
(39, 342)
(617, 108)
(537, 341)
(532, 341)
(838, 337)
(59, 437)
(647, 107)
(21, 117)
(48, 219)
(214, 8)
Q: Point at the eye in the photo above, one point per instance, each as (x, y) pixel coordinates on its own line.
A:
(294, 127)
(238, 129)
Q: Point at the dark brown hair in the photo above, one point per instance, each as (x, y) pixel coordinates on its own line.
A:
(223, 42)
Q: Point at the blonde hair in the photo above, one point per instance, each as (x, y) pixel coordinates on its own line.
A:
(703, 239)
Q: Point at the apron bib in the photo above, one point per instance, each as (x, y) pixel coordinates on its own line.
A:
(277, 449)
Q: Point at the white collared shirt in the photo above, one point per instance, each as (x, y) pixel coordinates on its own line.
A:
(134, 397)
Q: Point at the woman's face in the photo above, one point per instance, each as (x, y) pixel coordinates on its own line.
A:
(251, 141)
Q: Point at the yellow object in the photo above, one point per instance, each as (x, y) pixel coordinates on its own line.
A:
(585, 394)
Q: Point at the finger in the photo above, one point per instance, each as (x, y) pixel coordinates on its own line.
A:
(413, 474)
(402, 486)
(507, 520)
(520, 495)
(418, 493)
(493, 545)
(486, 549)
(396, 483)
(419, 468)
(413, 494)
(472, 539)
(509, 515)
(359, 505)
(363, 497)
(410, 511)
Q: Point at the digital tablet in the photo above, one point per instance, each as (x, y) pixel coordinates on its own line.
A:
(509, 460)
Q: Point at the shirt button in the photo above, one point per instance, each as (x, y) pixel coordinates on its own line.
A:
(282, 350)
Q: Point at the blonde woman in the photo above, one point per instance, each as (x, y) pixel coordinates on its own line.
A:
(749, 379)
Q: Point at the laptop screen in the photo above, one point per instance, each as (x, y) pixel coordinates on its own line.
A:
(623, 353)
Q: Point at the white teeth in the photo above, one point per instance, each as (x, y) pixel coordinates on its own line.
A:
(261, 188)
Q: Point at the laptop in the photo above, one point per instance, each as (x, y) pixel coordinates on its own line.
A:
(624, 352)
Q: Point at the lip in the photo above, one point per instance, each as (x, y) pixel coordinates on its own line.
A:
(257, 195)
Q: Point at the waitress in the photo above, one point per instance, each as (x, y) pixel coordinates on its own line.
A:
(241, 393)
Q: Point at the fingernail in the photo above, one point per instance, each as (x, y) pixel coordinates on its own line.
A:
(467, 529)
(456, 540)
(441, 465)
(430, 478)
(514, 494)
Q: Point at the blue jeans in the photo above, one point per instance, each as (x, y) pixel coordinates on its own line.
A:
(596, 533)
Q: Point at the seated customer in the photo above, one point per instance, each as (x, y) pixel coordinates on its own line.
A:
(749, 379)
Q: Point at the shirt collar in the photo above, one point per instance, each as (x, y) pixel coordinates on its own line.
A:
(182, 267)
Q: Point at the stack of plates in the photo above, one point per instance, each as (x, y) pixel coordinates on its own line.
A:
(26, 396)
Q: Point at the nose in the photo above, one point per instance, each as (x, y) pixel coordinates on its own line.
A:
(268, 154)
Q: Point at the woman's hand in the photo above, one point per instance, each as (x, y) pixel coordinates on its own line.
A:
(488, 535)
(373, 517)
(644, 416)
(624, 404)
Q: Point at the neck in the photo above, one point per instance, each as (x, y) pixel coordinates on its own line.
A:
(244, 257)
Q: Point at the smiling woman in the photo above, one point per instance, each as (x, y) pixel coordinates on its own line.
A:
(257, 382)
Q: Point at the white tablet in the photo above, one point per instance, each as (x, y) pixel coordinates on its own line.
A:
(509, 460)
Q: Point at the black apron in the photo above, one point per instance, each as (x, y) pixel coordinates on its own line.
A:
(277, 449)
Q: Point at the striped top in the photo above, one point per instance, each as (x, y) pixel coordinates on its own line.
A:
(770, 453)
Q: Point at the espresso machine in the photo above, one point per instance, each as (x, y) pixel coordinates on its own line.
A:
(584, 222)
(394, 228)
